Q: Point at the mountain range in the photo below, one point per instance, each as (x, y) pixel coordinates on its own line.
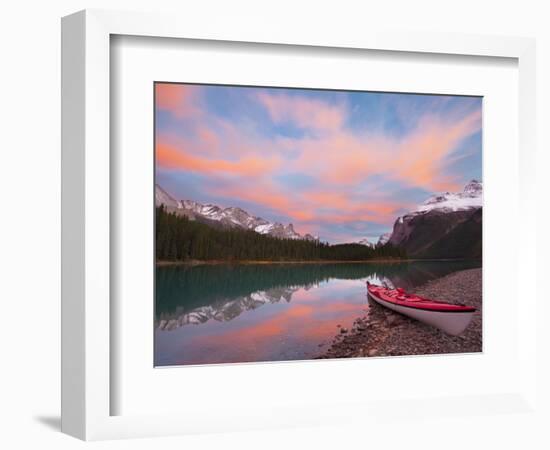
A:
(446, 225)
(224, 311)
(226, 217)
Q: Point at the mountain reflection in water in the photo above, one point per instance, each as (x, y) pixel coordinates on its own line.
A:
(268, 312)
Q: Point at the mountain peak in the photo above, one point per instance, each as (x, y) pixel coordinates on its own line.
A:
(366, 242)
(383, 239)
(229, 217)
(163, 198)
(470, 198)
(473, 188)
(309, 237)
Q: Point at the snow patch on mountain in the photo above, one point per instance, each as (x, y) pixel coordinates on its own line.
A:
(264, 229)
(366, 242)
(163, 198)
(470, 197)
(225, 311)
(383, 239)
(231, 217)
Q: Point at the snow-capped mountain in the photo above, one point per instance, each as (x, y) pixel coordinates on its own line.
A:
(383, 239)
(446, 225)
(230, 217)
(163, 198)
(470, 197)
(366, 242)
(225, 311)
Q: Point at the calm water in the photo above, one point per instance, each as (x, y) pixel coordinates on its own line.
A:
(276, 312)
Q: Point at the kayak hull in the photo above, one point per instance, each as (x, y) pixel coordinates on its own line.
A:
(453, 323)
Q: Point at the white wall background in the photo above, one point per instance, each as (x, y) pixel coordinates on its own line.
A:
(30, 197)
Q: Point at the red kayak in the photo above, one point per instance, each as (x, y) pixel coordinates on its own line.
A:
(451, 318)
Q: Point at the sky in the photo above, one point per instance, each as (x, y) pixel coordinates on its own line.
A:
(340, 165)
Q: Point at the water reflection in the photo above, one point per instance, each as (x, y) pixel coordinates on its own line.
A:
(223, 313)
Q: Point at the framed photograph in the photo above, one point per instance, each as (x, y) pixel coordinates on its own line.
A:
(304, 211)
(346, 188)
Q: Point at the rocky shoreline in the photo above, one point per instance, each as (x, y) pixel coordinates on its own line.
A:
(382, 332)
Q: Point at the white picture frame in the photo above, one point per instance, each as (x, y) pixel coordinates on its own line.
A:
(86, 217)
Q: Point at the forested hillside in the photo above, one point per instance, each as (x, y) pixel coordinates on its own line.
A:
(181, 239)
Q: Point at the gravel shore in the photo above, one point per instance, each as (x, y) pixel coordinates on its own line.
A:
(382, 332)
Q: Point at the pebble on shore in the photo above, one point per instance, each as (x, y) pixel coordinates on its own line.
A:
(382, 332)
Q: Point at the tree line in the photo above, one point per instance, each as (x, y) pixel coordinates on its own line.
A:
(181, 239)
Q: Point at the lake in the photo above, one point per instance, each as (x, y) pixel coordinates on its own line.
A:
(222, 313)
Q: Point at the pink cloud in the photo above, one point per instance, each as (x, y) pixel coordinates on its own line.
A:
(417, 159)
(261, 192)
(178, 99)
(333, 156)
(422, 156)
(340, 157)
(309, 210)
(303, 112)
(170, 157)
